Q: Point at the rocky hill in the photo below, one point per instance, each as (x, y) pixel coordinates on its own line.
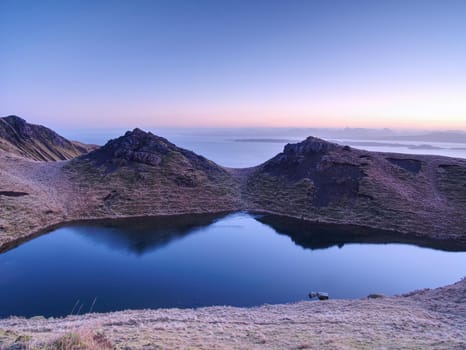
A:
(320, 181)
(37, 142)
(143, 174)
(137, 174)
(413, 197)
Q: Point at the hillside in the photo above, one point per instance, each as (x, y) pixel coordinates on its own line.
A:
(138, 174)
(37, 142)
(317, 180)
(143, 174)
(407, 197)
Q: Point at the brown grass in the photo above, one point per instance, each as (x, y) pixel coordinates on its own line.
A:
(83, 338)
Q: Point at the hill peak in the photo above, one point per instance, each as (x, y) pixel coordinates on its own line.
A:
(310, 145)
(135, 145)
(143, 147)
(36, 142)
(14, 119)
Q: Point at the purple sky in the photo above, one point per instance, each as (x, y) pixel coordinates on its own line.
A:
(399, 64)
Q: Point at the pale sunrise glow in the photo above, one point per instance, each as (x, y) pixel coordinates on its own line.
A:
(389, 64)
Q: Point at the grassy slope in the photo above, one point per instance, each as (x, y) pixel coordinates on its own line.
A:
(428, 319)
(339, 186)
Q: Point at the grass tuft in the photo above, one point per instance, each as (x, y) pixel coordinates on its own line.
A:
(81, 340)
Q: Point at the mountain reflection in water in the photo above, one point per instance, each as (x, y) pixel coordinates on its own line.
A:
(238, 259)
(145, 234)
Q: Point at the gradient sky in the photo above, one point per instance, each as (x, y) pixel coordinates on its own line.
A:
(399, 64)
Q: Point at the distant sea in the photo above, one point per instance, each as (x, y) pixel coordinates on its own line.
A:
(249, 147)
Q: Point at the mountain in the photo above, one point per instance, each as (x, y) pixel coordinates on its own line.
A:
(37, 142)
(140, 173)
(140, 147)
(319, 181)
(412, 197)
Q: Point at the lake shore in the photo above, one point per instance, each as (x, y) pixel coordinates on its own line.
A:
(315, 181)
(54, 200)
(433, 318)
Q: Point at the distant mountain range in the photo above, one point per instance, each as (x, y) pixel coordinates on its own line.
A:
(284, 134)
(438, 136)
(454, 136)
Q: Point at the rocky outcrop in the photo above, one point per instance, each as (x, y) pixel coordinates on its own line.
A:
(143, 174)
(307, 161)
(324, 182)
(140, 147)
(36, 142)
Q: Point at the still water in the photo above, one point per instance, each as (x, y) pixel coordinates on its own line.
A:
(238, 259)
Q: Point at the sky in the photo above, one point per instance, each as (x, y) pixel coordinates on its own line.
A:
(221, 63)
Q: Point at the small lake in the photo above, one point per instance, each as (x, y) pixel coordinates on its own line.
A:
(238, 259)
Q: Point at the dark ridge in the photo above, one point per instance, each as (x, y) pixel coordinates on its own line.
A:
(307, 160)
(35, 141)
(411, 165)
(299, 160)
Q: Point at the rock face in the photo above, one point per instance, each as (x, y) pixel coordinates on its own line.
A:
(321, 181)
(36, 142)
(307, 161)
(135, 146)
(140, 147)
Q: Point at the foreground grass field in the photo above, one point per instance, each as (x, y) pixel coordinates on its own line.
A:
(426, 319)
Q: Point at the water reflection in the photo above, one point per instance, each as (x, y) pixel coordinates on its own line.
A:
(144, 234)
(321, 236)
(191, 261)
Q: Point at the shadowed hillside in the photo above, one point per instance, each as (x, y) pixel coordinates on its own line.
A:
(321, 181)
(37, 142)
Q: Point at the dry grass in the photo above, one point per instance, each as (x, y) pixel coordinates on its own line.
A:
(82, 338)
(427, 319)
